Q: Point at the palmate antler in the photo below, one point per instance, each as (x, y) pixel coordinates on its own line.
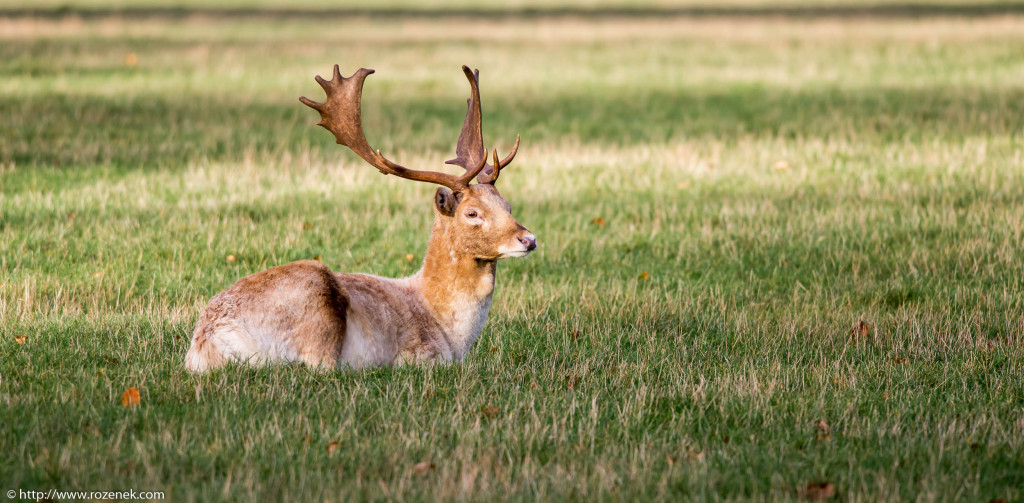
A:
(470, 150)
(341, 115)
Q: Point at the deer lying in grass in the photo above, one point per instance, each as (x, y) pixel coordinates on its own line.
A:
(304, 312)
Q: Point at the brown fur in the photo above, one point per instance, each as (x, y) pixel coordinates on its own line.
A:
(301, 301)
(304, 312)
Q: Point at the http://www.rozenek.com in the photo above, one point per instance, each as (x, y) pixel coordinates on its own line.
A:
(55, 495)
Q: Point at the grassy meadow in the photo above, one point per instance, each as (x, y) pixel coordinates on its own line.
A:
(720, 201)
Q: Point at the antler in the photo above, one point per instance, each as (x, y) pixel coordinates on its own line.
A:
(470, 150)
(341, 114)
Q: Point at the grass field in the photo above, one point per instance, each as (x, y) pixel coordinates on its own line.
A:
(718, 200)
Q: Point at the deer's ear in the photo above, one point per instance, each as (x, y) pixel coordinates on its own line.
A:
(446, 201)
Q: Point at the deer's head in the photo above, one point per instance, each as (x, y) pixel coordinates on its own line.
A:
(474, 217)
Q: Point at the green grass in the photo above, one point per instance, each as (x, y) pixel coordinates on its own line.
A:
(778, 179)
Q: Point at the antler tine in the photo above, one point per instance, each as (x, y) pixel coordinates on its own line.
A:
(490, 176)
(511, 155)
(341, 115)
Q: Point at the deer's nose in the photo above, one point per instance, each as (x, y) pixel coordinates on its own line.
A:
(529, 241)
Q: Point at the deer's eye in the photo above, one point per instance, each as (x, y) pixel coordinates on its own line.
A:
(471, 214)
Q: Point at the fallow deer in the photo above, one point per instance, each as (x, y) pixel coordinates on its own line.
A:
(303, 312)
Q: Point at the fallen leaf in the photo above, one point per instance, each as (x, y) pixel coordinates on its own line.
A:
(780, 166)
(71, 216)
(306, 226)
(697, 456)
(423, 467)
(409, 257)
(824, 431)
(20, 339)
(131, 59)
(643, 275)
(319, 258)
(819, 491)
(597, 221)
(575, 334)
(861, 330)
(231, 258)
(671, 460)
(489, 411)
(130, 397)
(331, 447)
(97, 274)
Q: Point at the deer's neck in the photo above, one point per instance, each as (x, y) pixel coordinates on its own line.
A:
(457, 288)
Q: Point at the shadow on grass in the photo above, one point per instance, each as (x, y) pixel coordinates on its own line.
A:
(807, 11)
(157, 132)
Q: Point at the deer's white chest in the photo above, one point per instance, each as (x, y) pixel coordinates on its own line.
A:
(466, 326)
(469, 316)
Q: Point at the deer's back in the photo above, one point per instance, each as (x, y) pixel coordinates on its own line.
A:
(293, 312)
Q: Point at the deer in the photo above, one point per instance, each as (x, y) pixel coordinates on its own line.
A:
(302, 312)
